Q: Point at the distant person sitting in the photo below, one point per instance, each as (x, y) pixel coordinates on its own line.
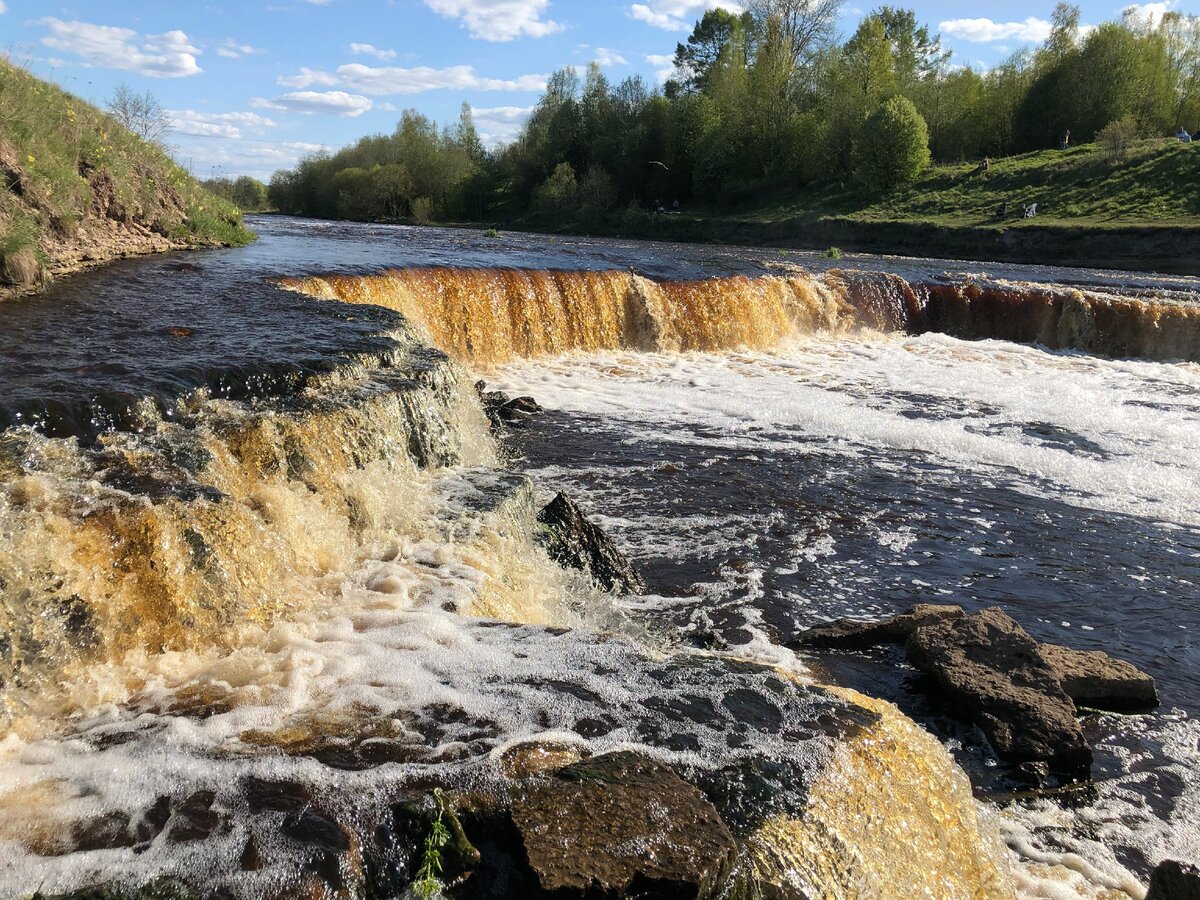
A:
(1002, 210)
(1065, 142)
(1030, 210)
(982, 168)
(675, 206)
(1184, 136)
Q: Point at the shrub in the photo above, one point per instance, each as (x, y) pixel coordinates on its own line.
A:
(1117, 137)
(597, 193)
(892, 147)
(557, 195)
(491, 233)
(833, 253)
(422, 210)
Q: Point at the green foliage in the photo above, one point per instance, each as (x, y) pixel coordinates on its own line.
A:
(491, 233)
(559, 193)
(63, 151)
(422, 210)
(892, 148)
(833, 253)
(428, 882)
(1117, 137)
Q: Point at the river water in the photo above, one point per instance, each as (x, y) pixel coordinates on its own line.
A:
(787, 444)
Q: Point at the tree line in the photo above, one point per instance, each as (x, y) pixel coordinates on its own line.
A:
(768, 100)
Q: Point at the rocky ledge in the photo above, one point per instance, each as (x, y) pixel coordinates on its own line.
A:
(1024, 695)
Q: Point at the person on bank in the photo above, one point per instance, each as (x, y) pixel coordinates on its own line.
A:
(1184, 136)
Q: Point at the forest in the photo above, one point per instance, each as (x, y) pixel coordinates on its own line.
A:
(764, 103)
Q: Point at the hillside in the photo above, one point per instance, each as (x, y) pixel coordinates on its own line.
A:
(79, 189)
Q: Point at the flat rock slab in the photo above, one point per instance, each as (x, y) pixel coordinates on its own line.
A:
(574, 541)
(854, 635)
(622, 825)
(994, 673)
(1094, 679)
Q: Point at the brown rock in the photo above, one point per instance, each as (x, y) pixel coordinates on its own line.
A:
(194, 819)
(1094, 679)
(896, 630)
(1173, 880)
(620, 825)
(994, 674)
(574, 541)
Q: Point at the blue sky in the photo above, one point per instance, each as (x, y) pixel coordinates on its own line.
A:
(254, 84)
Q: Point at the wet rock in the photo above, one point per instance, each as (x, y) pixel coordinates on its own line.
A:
(194, 819)
(316, 830)
(251, 859)
(159, 889)
(850, 634)
(1094, 679)
(622, 825)
(994, 674)
(411, 823)
(1173, 880)
(265, 795)
(575, 542)
(502, 409)
(108, 832)
(535, 757)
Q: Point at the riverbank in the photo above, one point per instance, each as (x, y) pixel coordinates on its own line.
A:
(1093, 209)
(80, 189)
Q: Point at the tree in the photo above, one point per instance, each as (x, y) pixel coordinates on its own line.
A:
(249, 193)
(695, 59)
(558, 194)
(140, 113)
(808, 25)
(916, 55)
(893, 145)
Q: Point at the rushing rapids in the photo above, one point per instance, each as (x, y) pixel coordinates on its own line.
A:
(253, 605)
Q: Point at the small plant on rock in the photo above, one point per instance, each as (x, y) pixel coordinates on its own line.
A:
(833, 253)
(428, 883)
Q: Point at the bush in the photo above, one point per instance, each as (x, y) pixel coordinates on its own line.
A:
(892, 147)
(422, 210)
(597, 193)
(1117, 137)
(557, 195)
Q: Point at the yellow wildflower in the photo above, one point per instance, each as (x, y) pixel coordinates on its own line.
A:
(30, 159)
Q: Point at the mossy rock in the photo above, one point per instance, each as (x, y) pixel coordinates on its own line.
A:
(21, 267)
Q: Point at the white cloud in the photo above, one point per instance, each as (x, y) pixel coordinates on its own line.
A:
(664, 65)
(228, 125)
(605, 57)
(383, 80)
(498, 20)
(677, 15)
(985, 30)
(1149, 12)
(231, 49)
(500, 124)
(210, 158)
(3, 8)
(169, 55)
(372, 50)
(338, 103)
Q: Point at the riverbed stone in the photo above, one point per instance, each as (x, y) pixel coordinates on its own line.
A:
(1094, 679)
(574, 541)
(622, 825)
(851, 634)
(994, 674)
(1172, 880)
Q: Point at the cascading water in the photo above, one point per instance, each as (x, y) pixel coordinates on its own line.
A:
(323, 583)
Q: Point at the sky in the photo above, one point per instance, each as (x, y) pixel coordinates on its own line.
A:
(253, 85)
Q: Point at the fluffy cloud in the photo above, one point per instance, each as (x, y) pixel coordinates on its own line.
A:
(3, 8)
(1149, 12)
(664, 65)
(338, 103)
(985, 30)
(605, 57)
(226, 125)
(169, 55)
(231, 49)
(372, 50)
(500, 124)
(384, 80)
(498, 20)
(677, 15)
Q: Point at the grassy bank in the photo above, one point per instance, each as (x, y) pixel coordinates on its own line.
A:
(1141, 211)
(79, 188)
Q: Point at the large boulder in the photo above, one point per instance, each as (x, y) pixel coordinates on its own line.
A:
(622, 825)
(1173, 880)
(851, 634)
(575, 542)
(995, 675)
(1094, 679)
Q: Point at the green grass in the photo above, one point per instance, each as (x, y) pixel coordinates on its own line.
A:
(1154, 185)
(55, 150)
